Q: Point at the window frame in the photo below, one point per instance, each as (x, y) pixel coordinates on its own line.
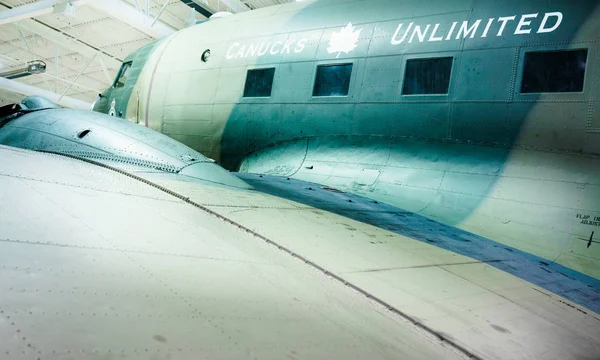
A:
(122, 69)
(248, 70)
(519, 86)
(552, 96)
(336, 62)
(428, 57)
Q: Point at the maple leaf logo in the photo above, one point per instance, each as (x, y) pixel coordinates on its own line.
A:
(344, 41)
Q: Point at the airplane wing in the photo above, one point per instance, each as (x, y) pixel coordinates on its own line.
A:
(102, 258)
(96, 265)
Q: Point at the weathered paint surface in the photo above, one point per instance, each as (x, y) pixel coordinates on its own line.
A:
(577, 287)
(520, 169)
(97, 262)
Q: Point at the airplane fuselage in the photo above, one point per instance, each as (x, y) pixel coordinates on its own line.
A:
(480, 114)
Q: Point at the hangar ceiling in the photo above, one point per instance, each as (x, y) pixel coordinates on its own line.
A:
(83, 42)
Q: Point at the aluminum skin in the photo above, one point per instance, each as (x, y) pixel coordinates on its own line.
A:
(522, 169)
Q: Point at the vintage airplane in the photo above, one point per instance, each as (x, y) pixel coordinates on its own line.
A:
(436, 177)
(480, 115)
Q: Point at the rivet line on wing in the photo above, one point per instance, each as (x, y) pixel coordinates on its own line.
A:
(389, 307)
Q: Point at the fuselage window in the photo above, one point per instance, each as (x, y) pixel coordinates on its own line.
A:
(333, 80)
(554, 71)
(123, 75)
(427, 76)
(259, 82)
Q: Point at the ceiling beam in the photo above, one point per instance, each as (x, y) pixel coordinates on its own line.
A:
(35, 9)
(236, 6)
(128, 14)
(28, 90)
(199, 7)
(65, 41)
(118, 9)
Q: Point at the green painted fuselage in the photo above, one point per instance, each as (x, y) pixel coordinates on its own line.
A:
(519, 167)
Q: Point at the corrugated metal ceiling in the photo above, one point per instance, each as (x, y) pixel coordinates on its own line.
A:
(91, 30)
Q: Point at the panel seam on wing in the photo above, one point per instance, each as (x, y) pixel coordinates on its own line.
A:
(441, 337)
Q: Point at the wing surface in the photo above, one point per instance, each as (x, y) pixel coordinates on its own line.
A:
(95, 264)
(485, 298)
(100, 263)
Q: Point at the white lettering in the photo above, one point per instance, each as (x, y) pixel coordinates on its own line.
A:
(451, 30)
(397, 42)
(241, 51)
(432, 37)
(420, 35)
(468, 29)
(523, 23)
(231, 54)
(504, 20)
(300, 45)
(262, 51)
(236, 50)
(251, 50)
(273, 50)
(559, 19)
(286, 47)
(465, 32)
(487, 27)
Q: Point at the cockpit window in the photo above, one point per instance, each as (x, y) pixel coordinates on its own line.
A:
(554, 71)
(123, 75)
